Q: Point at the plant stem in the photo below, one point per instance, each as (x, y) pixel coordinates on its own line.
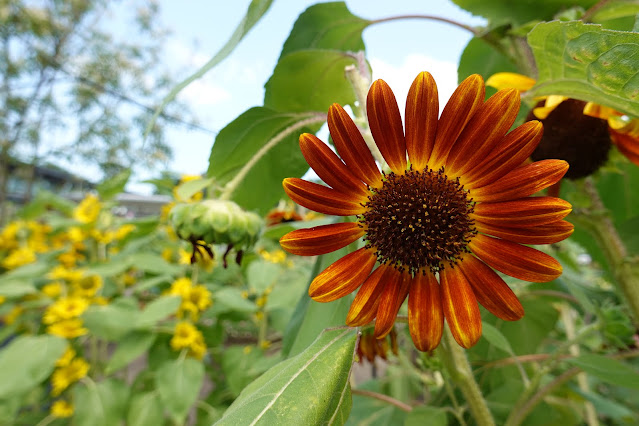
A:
(625, 269)
(430, 18)
(399, 404)
(458, 367)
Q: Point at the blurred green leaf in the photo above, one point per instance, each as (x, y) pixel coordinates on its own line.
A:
(130, 347)
(100, 404)
(436, 416)
(496, 338)
(25, 272)
(230, 299)
(189, 188)
(326, 26)
(26, 362)
(260, 129)
(310, 80)
(609, 408)
(158, 310)
(311, 388)
(110, 322)
(255, 11)
(112, 186)
(145, 410)
(481, 58)
(587, 62)
(179, 382)
(372, 411)
(237, 364)
(615, 10)
(16, 288)
(42, 202)
(261, 274)
(608, 370)
(518, 12)
(8, 410)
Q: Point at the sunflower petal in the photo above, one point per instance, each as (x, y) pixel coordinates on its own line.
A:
(543, 234)
(627, 144)
(511, 152)
(524, 212)
(351, 146)
(422, 109)
(461, 106)
(513, 259)
(484, 131)
(386, 125)
(364, 308)
(507, 80)
(393, 295)
(343, 276)
(460, 307)
(491, 291)
(321, 239)
(425, 314)
(329, 167)
(522, 182)
(322, 199)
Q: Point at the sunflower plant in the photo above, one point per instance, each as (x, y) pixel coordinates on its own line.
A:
(470, 260)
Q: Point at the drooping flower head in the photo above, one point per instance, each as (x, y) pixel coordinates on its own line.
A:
(579, 132)
(455, 204)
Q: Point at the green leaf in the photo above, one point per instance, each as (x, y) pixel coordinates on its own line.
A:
(326, 26)
(16, 288)
(153, 263)
(587, 62)
(26, 362)
(607, 370)
(420, 415)
(111, 187)
(179, 382)
(230, 299)
(615, 10)
(262, 274)
(189, 188)
(237, 365)
(110, 322)
(100, 404)
(481, 58)
(310, 80)
(496, 338)
(255, 11)
(275, 137)
(311, 388)
(130, 347)
(43, 201)
(145, 410)
(518, 12)
(25, 272)
(158, 310)
(608, 407)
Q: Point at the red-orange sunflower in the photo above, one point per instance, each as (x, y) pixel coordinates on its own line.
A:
(455, 204)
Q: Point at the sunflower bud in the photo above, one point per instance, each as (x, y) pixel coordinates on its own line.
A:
(216, 222)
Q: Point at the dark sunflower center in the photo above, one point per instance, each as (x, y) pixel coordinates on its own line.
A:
(419, 220)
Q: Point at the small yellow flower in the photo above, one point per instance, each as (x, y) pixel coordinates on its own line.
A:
(60, 272)
(99, 300)
(167, 254)
(68, 328)
(76, 234)
(61, 409)
(276, 256)
(123, 231)
(2, 299)
(70, 258)
(88, 286)
(198, 347)
(66, 358)
(18, 257)
(88, 210)
(184, 257)
(64, 309)
(9, 235)
(265, 344)
(181, 287)
(187, 178)
(54, 289)
(184, 335)
(261, 301)
(104, 237)
(247, 350)
(130, 278)
(200, 296)
(63, 377)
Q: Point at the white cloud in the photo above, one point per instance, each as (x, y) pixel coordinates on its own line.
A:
(204, 92)
(400, 77)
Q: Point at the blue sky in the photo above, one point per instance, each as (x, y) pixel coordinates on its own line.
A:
(397, 51)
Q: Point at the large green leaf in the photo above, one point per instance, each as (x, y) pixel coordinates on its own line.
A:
(326, 26)
(100, 404)
(111, 187)
(310, 80)
(587, 62)
(158, 310)
(481, 58)
(129, 348)
(256, 9)
(179, 382)
(145, 410)
(110, 322)
(26, 362)
(518, 12)
(270, 134)
(311, 388)
(608, 370)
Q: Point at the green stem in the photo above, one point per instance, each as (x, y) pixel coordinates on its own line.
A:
(458, 367)
(232, 185)
(600, 225)
(430, 18)
(46, 420)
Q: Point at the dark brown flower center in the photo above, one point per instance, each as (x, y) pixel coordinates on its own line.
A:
(581, 140)
(419, 220)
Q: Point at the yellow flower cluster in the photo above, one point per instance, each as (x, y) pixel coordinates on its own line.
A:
(69, 369)
(195, 298)
(21, 241)
(63, 317)
(61, 409)
(187, 336)
(88, 210)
